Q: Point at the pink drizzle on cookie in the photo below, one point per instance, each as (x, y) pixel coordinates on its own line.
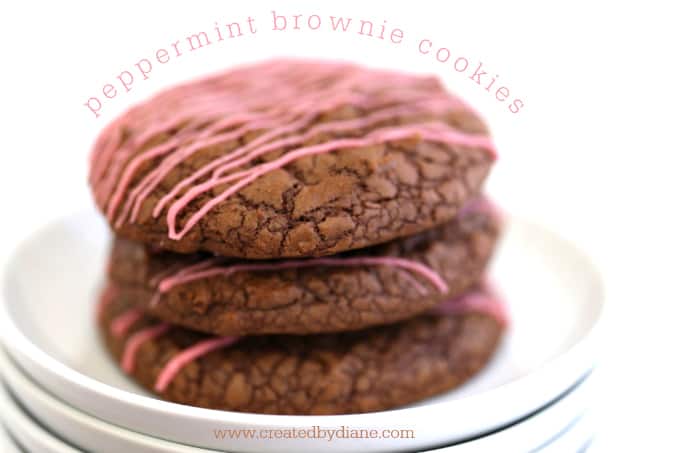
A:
(175, 364)
(484, 301)
(483, 205)
(428, 131)
(279, 101)
(215, 266)
(415, 283)
(136, 341)
(122, 323)
(200, 272)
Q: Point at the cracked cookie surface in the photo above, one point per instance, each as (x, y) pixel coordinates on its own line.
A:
(313, 299)
(352, 372)
(289, 159)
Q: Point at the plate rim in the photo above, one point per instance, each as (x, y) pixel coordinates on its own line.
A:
(24, 425)
(24, 388)
(576, 395)
(559, 371)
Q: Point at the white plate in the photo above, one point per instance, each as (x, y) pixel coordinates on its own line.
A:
(79, 429)
(542, 431)
(577, 438)
(91, 434)
(27, 432)
(554, 294)
(7, 444)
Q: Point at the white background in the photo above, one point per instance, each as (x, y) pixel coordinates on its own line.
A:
(594, 153)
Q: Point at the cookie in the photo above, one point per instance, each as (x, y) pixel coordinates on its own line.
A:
(361, 371)
(289, 159)
(354, 290)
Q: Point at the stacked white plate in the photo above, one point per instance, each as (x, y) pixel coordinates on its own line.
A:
(65, 394)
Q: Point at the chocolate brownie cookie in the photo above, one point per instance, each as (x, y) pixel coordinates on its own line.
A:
(361, 371)
(378, 285)
(289, 159)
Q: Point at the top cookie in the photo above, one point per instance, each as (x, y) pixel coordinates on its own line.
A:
(289, 159)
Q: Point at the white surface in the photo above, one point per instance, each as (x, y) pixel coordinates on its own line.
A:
(30, 435)
(595, 154)
(562, 419)
(554, 297)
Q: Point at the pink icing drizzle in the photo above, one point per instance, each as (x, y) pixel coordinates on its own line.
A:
(155, 279)
(416, 284)
(484, 301)
(209, 271)
(175, 364)
(124, 321)
(429, 131)
(224, 163)
(205, 99)
(219, 109)
(214, 266)
(135, 341)
(484, 205)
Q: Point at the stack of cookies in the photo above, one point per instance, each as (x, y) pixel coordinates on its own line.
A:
(298, 237)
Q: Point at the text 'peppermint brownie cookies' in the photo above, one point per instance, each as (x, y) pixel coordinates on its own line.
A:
(352, 372)
(354, 290)
(290, 158)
